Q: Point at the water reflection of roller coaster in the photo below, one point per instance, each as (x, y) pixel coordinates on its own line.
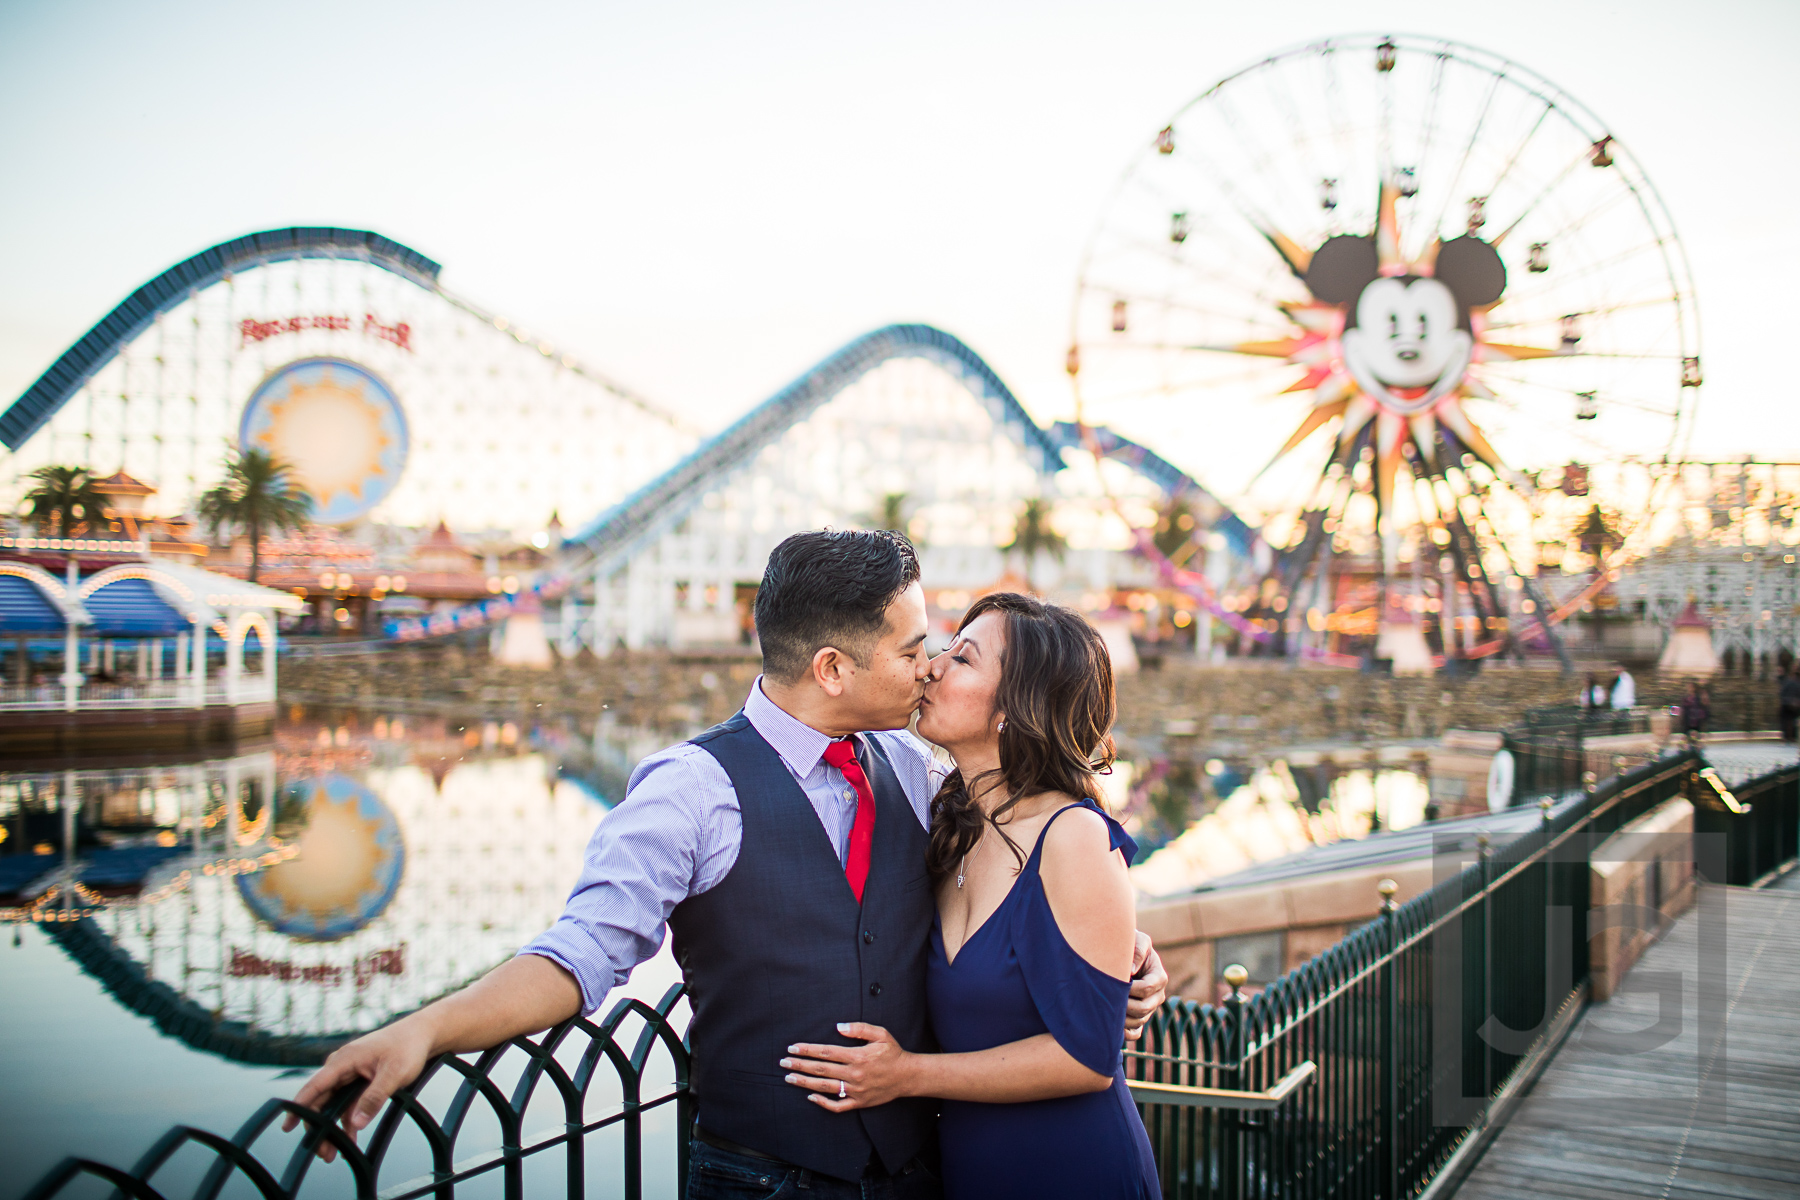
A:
(267, 906)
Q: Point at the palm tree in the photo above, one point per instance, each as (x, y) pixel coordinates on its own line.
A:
(1175, 527)
(1033, 534)
(892, 516)
(62, 499)
(257, 494)
(893, 512)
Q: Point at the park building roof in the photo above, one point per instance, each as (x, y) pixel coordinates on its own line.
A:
(139, 599)
(1390, 847)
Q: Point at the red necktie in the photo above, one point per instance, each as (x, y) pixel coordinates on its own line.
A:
(842, 755)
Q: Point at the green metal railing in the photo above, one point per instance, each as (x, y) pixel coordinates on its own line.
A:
(1374, 1070)
(1550, 746)
(1758, 820)
(1408, 1029)
(544, 1097)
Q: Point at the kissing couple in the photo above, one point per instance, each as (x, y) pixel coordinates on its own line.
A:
(907, 981)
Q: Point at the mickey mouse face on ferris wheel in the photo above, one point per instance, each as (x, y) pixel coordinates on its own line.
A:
(1407, 338)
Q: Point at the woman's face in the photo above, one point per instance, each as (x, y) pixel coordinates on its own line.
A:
(958, 708)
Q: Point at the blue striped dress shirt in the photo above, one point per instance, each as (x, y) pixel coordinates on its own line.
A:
(677, 834)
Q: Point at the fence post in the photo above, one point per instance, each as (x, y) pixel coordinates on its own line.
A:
(1390, 1065)
(1235, 1166)
(1484, 849)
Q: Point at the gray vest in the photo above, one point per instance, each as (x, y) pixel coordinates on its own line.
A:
(780, 952)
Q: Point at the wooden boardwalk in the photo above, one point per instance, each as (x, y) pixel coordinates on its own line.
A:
(1787, 883)
(1682, 1120)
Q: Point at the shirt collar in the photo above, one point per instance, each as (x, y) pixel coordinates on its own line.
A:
(799, 744)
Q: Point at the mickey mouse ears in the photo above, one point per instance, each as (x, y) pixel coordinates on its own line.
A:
(1471, 269)
(1342, 268)
(1347, 264)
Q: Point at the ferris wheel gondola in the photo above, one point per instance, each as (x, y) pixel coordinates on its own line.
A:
(1392, 295)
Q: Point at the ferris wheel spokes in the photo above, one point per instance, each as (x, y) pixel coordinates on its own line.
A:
(1276, 219)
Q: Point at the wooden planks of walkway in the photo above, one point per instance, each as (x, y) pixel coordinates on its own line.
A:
(1691, 1118)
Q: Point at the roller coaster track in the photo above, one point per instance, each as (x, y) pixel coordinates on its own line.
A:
(138, 311)
(660, 504)
(655, 508)
(640, 518)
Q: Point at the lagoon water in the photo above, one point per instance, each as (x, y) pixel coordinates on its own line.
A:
(239, 908)
(250, 902)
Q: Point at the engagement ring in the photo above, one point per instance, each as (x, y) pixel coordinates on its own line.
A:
(842, 1090)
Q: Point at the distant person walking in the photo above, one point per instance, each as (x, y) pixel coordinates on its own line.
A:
(1624, 691)
(1695, 711)
(1789, 698)
(1594, 694)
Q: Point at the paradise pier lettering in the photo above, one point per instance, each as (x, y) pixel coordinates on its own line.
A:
(251, 330)
(392, 961)
(399, 333)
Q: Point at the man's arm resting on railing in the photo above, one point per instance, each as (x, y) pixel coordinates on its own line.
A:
(523, 995)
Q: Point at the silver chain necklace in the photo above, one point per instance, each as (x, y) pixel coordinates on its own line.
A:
(962, 868)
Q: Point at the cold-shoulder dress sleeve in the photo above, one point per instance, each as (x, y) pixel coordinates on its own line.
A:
(1081, 1005)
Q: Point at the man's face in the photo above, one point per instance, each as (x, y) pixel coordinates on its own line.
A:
(883, 694)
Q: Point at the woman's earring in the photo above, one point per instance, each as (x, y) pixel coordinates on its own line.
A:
(1001, 728)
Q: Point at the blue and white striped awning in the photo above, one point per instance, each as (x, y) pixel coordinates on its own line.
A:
(141, 599)
(24, 608)
(132, 608)
(34, 601)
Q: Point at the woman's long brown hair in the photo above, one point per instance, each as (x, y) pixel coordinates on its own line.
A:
(1056, 691)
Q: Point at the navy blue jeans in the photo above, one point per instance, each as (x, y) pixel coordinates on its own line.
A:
(715, 1174)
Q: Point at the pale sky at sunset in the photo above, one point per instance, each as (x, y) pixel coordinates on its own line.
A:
(704, 199)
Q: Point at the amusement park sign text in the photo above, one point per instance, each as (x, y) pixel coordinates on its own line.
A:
(391, 961)
(250, 330)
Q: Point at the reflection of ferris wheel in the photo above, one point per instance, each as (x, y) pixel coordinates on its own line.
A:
(1382, 290)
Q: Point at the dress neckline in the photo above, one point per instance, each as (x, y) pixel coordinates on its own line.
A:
(1030, 867)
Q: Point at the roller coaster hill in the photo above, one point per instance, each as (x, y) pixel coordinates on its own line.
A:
(443, 446)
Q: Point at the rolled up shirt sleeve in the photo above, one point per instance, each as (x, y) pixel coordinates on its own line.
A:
(676, 834)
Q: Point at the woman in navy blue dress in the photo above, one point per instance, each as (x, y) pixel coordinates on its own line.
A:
(1032, 949)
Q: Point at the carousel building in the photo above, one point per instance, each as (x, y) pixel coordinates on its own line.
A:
(134, 652)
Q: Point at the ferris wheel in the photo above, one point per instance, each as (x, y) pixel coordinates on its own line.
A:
(1397, 297)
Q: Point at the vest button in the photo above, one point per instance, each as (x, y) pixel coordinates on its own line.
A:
(868, 938)
(874, 989)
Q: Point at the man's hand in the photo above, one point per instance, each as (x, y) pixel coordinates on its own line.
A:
(1149, 986)
(523, 995)
(389, 1059)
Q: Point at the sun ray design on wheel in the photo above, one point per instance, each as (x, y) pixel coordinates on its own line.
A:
(1388, 346)
(1334, 218)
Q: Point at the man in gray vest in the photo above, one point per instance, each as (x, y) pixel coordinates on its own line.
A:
(785, 851)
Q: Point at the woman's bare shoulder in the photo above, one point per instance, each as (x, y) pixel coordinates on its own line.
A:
(1075, 840)
(1089, 890)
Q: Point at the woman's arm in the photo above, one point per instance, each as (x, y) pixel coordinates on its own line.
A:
(1090, 894)
(1091, 899)
(1036, 1068)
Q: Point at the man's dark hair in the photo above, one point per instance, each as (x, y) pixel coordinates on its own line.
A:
(829, 588)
